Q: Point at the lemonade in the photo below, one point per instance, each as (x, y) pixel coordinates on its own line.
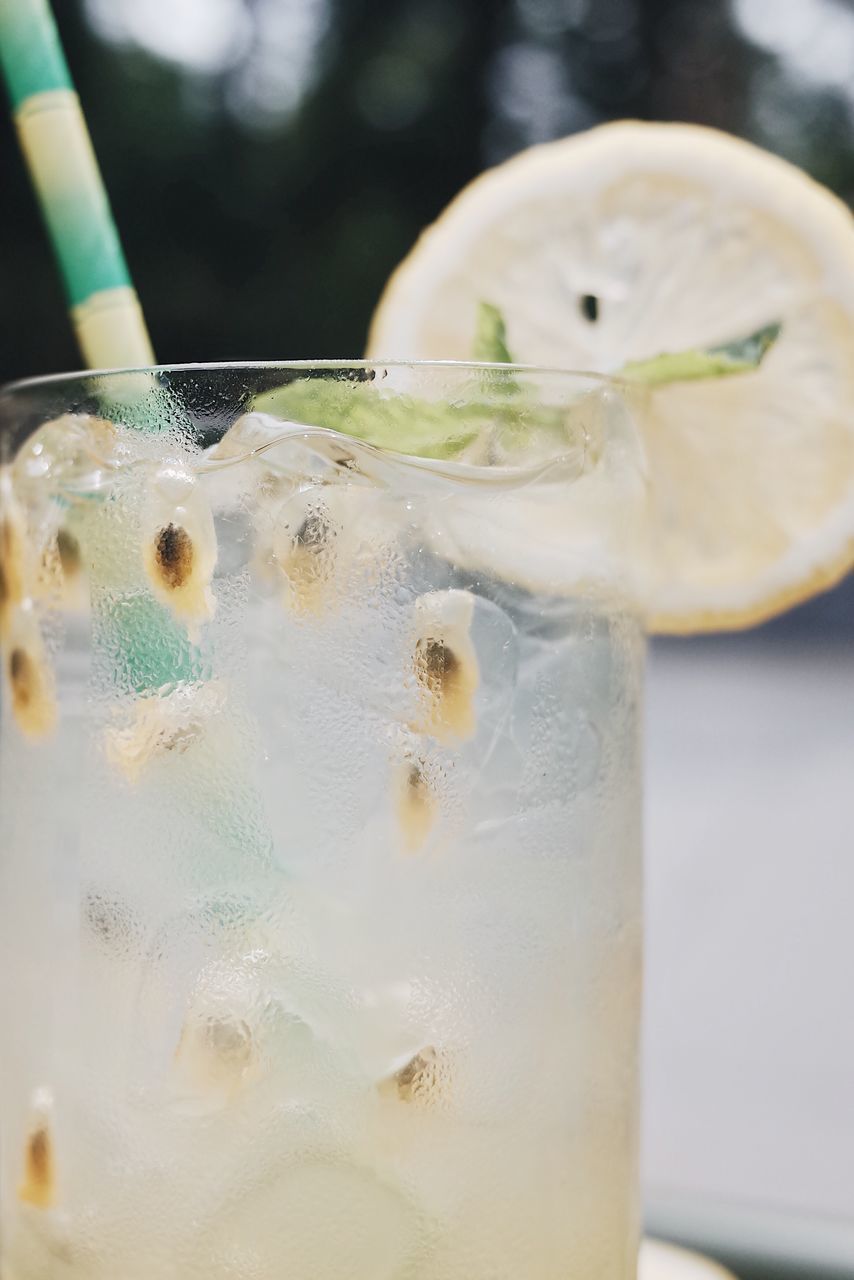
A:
(321, 834)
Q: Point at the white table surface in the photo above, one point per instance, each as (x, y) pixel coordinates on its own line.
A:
(660, 1261)
(749, 1035)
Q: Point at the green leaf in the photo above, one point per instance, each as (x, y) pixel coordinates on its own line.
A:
(357, 409)
(423, 428)
(490, 345)
(741, 356)
(502, 414)
(490, 339)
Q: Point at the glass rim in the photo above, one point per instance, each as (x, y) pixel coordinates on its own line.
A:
(35, 382)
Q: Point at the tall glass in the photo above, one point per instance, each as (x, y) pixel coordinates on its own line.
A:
(320, 825)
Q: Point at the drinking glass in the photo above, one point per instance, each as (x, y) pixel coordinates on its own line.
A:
(320, 824)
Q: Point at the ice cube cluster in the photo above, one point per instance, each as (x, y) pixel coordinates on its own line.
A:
(320, 876)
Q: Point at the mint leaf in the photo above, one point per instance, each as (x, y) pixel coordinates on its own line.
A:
(490, 345)
(490, 338)
(357, 409)
(739, 356)
(502, 417)
(424, 428)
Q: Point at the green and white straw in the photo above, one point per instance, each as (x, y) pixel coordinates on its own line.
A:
(105, 310)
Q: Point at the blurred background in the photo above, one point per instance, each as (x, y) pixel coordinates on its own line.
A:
(269, 162)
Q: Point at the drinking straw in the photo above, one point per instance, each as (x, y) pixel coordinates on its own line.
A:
(104, 307)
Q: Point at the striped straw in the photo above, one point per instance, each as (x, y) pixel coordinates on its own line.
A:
(105, 310)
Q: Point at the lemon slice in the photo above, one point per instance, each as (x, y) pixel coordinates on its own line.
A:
(633, 240)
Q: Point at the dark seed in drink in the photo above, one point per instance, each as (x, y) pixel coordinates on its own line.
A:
(437, 664)
(314, 532)
(68, 549)
(418, 1081)
(37, 1187)
(30, 682)
(417, 806)
(174, 553)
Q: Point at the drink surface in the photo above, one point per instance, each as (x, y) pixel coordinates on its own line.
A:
(320, 875)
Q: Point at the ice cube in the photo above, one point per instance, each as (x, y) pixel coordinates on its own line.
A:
(167, 721)
(279, 446)
(259, 1016)
(261, 459)
(74, 453)
(329, 542)
(60, 574)
(216, 1054)
(39, 1245)
(307, 550)
(198, 967)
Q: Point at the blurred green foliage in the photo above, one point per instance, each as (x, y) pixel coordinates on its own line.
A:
(266, 185)
(254, 239)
